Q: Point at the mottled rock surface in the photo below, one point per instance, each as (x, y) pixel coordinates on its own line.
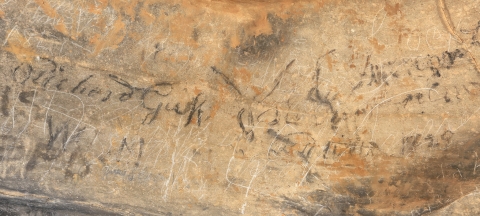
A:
(229, 107)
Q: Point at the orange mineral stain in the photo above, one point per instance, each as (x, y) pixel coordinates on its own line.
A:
(113, 37)
(20, 47)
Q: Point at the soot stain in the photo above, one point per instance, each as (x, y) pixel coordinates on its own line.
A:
(263, 46)
(414, 185)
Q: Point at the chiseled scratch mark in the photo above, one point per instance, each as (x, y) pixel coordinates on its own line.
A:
(242, 209)
(13, 110)
(380, 26)
(78, 45)
(372, 139)
(254, 175)
(8, 36)
(167, 182)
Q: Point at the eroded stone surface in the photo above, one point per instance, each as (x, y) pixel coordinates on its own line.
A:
(239, 107)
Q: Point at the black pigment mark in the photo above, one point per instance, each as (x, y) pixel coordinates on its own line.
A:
(48, 151)
(359, 112)
(124, 96)
(374, 144)
(265, 45)
(34, 80)
(447, 136)
(17, 71)
(279, 78)
(249, 133)
(409, 143)
(46, 81)
(74, 137)
(153, 114)
(5, 101)
(195, 34)
(140, 150)
(177, 110)
(325, 150)
(434, 85)
(226, 79)
(59, 85)
(199, 116)
(107, 97)
(419, 96)
(372, 74)
(80, 83)
(376, 75)
(465, 88)
(73, 161)
(123, 145)
(447, 99)
(431, 141)
(289, 119)
(53, 63)
(407, 99)
(94, 92)
(359, 85)
(435, 71)
(52, 135)
(279, 137)
(335, 120)
(452, 56)
(239, 119)
(314, 95)
(148, 90)
(23, 96)
(366, 66)
(195, 106)
(157, 50)
(475, 40)
(435, 63)
(306, 156)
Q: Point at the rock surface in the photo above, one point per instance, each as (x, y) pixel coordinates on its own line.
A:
(229, 107)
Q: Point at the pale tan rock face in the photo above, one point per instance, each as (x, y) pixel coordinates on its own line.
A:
(239, 107)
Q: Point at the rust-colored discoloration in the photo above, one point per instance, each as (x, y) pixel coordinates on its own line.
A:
(392, 9)
(348, 165)
(112, 39)
(242, 74)
(19, 46)
(259, 26)
(330, 62)
(377, 46)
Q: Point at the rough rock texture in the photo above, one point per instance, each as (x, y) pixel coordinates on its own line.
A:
(229, 107)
